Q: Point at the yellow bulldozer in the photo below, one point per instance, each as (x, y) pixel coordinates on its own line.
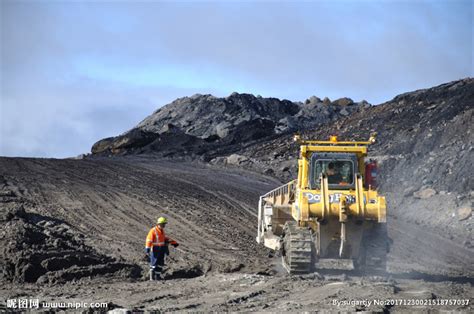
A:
(331, 216)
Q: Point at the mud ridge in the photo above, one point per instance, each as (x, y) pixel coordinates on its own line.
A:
(41, 249)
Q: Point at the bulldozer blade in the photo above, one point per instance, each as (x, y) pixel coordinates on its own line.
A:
(271, 241)
(335, 263)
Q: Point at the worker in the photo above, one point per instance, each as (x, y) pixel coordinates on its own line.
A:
(156, 248)
(333, 176)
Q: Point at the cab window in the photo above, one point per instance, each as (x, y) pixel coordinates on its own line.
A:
(339, 172)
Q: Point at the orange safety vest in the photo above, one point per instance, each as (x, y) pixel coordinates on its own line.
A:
(156, 237)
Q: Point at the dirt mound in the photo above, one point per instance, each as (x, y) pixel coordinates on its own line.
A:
(41, 249)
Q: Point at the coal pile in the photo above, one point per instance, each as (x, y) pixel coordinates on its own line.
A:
(203, 126)
(41, 249)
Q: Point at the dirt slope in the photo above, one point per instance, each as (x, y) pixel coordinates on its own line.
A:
(113, 203)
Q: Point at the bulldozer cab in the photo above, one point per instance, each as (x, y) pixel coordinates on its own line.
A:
(340, 170)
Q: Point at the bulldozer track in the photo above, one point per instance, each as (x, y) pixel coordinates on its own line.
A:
(298, 246)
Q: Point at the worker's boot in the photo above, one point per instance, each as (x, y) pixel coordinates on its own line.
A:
(152, 275)
(158, 269)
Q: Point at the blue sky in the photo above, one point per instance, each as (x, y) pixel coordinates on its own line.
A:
(74, 72)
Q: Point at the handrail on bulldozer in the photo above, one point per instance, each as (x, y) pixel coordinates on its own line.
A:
(285, 188)
(334, 142)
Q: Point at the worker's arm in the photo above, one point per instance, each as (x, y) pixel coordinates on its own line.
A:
(172, 242)
(149, 241)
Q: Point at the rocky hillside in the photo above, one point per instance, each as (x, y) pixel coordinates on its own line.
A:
(207, 126)
(424, 137)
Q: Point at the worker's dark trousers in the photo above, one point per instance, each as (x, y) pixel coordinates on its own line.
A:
(157, 260)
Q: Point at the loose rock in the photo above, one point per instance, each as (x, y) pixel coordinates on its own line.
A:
(464, 213)
(424, 193)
